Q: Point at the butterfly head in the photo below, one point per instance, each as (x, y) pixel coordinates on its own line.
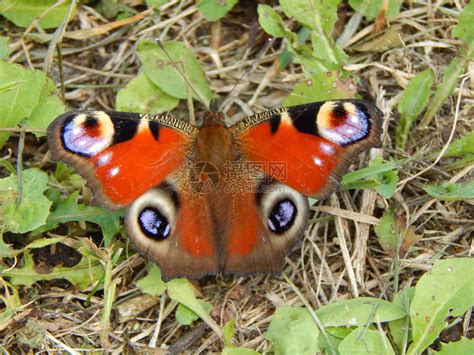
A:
(212, 118)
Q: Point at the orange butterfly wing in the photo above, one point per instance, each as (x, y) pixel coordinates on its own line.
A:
(140, 161)
(311, 144)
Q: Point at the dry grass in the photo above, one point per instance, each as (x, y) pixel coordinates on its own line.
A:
(339, 257)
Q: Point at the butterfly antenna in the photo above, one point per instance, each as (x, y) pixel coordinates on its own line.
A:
(175, 65)
(245, 73)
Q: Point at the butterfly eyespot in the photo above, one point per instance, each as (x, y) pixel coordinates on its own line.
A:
(154, 224)
(282, 216)
(87, 133)
(342, 123)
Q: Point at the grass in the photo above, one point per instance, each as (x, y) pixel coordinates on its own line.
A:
(339, 257)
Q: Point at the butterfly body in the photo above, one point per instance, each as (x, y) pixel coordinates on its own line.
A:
(216, 199)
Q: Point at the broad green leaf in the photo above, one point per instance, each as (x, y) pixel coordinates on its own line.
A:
(161, 71)
(186, 316)
(320, 87)
(400, 328)
(4, 50)
(462, 346)
(23, 12)
(465, 30)
(238, 351)
(34, 207)
(331, 348)
(387, 183)
(141, 95)
(20, 92)
(358, 312)
(85, 273)
(413, 101)
(6, 250)
(70, 211)
(446, 291)
(152, 283)
(461, 146)
(313, 13)
(387, 232)
(312, 65)
(213, 10)
(49, 107)
(271, 22)
(327, 50)
(373, 8)
(182, 291)
(365, 341)
(451, 191)
(293, 331)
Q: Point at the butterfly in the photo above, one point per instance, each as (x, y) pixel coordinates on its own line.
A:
(216, 199)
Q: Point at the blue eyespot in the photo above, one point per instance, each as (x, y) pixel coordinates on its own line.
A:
(153, 224)
(282, 216)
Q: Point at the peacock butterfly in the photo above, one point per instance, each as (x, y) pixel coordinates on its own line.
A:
(216, 199)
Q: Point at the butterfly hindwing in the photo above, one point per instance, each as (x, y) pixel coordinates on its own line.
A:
(314, 142)
(121, 155)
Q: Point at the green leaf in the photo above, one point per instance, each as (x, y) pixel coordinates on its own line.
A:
(369, 172)
(141, 95)
(161, 71)
(400, 328)
(451, 192)
(70, 211)
(293, 331)
(23, 12)
(271, 22)
(462, 346)
(446, 88)
(20, 91)
(186, 316)
(43, 242)
(365, 341)
(11, 304)
(358, 312)
(413, 101)
(155, 3)
(464, 29)
(228, 332)
(379, 175)
(313, 13)
(83, 274)
(320, 87)
(182, 291)
(461, 146)
(213, 10)
(4, 50)
(373, 8)
(6, 250)
(34, 207)
(152, 283)
(327, 50)
(446, 291)
(387, 232)
(49, 107)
